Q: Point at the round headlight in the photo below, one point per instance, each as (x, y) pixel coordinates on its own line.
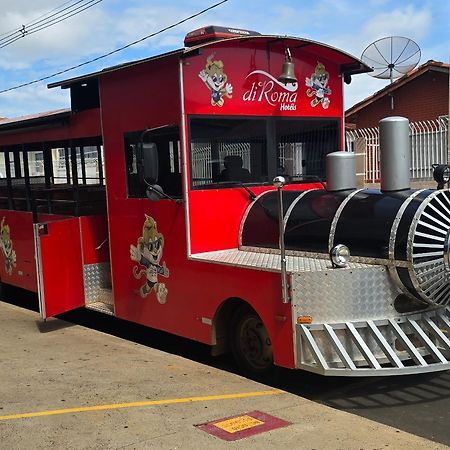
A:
(339, 255)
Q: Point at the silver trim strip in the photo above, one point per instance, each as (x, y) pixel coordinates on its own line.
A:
(247, 212)
(292, 205)
(82, 258)
(39, 277)
(336, 218)
(105, 181)
(283, 265)
(392, 238)
(397, 220)
(183, 153)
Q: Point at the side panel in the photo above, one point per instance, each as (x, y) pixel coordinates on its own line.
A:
(59, 262)
(242, 80)
(17, 248)
(17, 263)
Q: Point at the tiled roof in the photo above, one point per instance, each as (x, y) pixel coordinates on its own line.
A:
(428, 66)
(33, 119)
(5, 120)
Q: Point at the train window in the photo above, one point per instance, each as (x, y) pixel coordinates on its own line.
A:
(11, 165)
(2, 165)
(60, 175)
(89, 164)
(36, 163)
(167, 140)
(302, 146)
(225, 151)
(231, 151)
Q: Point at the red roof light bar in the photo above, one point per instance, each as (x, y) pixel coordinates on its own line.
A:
(214, 33)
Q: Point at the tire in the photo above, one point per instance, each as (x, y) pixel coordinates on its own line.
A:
(250, 344)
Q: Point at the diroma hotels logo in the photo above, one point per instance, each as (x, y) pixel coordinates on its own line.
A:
(271, 91)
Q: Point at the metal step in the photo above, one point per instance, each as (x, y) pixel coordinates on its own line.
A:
(105, 308)
(105, 295)
(409, 344)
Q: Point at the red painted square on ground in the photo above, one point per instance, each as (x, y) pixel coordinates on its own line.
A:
(243, 425)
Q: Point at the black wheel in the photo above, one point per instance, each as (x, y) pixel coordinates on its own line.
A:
(250, 343)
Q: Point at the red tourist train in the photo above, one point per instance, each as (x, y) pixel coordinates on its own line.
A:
(159, 197)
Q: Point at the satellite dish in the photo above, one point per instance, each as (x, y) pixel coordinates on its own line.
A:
(391, 57)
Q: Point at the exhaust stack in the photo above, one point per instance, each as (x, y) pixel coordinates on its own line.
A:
(341, 171)
(395, 154)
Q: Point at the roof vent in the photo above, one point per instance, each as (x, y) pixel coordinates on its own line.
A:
(215, 33)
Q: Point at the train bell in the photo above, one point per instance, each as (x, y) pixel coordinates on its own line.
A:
(288, 74)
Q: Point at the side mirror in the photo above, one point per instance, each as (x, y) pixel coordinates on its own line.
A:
(154, 192)
(441, 174)
(148, 153)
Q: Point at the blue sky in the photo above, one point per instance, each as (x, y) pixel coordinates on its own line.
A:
(347, 24)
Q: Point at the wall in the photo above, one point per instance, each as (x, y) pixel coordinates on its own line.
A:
(424, 98)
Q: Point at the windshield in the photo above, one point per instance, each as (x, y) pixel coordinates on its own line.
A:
(227, 151)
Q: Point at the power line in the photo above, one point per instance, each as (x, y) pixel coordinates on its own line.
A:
(48, 20)
(117, 49)
(41, 16)
(35, 29)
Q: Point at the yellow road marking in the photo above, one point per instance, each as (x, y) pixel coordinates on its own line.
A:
(54, 412)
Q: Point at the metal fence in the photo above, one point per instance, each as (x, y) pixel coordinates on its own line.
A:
(429, 145)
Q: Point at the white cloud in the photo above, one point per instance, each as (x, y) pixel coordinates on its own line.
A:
(65, 41)
(32, 99)
(405, 21)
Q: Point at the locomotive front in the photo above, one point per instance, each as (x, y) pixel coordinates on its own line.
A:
(381, 307)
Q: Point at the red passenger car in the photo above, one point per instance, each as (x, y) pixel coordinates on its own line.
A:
(152, 199)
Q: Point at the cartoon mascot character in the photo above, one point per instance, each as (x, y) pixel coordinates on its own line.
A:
(317, 86)
(6, 245)
(148, 253)
(216, 81)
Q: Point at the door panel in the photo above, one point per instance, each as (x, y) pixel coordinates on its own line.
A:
(59, 266)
